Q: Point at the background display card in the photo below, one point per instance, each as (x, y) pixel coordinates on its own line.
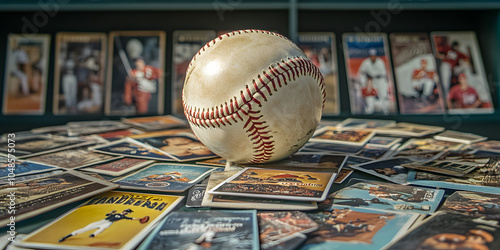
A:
(462, 72)
(320, 48)
(26, 72)
(369, 73)
(419, 88)
(135, 80)
(79, 73)
(185, 44)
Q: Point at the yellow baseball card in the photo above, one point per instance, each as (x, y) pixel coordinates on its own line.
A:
(112, 220)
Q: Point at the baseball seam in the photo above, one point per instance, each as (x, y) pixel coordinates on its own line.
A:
(245, 108)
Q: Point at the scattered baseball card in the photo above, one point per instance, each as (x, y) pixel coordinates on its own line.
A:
(181, 146)
(343, 175)
(32, 146)
(119, 134)
(489, 146)
(79, 73)
(211, 229)
(408, 129)
(419, 89)
(461, 69)
(485, 179)
(479, 205)
(388, 196)
(279, 227)
(357, 123)
(185, 44)
(38, 194)
(26, 72)
(93, 127)
(153, 123)
(390, 169)
(356, 160)
(167, 177)
(120, 166)
(320, 147)
(383, 142)
(20, 167)
(131, 148)
(314, 162)
(135, 80)
(460, 137)
(320, 48)
(428, 149)
(377, 153)
(450, 230)
(369, 73)
(355, 228)
(228, 201)
(122, 220)
(72, 158)
(277, 184)
(340, 136)
(454, 168)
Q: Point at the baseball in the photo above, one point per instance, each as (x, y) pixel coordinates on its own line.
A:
(252, 96)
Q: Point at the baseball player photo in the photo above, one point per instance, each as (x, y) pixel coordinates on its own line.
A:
(26, 74)
(79, 73)
(319, 47)
(371, 87)
(419, 88)
(459, 61)
(135, 73)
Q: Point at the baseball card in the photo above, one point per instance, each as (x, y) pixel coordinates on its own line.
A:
(153, 123)
(167, 177)
(320, 48)
(489, 146)
(79, 73)
(185, 44)
(460, 65)
(388, 196)
(369, 73)
(120, 166)
(349, 137)
(26, 71)
(136, 79)
(278, 227)
(21, 167)
(354, 228)
(112, 220)
(418, 86)
(41, 193)
(72, 158)
(37, 145)
(450, 231)
(389, 169)
(277, 184)
(357, 123)
(131, 148)
(479, 205)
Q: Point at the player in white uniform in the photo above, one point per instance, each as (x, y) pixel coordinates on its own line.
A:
(21, 61)
(374, 67)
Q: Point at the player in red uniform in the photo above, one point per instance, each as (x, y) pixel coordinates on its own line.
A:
(463, 96)
(140, 85)
(452, 62)
(370, 96)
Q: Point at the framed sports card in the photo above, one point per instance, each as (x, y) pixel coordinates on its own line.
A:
(369, 73)
(167, 177)
(320, 48)
(79, 73)
(135, 80)
(418, 86)
(26, 70)
(273, 183)
(185, 44)
(122, 220)
(461, 69)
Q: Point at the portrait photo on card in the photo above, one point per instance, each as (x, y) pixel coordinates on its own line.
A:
(320, 48)
(26, 68)
(185, 44)
(369, 73)
(79, 73)
(135, 79)
(465, 85)
(419, 88)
